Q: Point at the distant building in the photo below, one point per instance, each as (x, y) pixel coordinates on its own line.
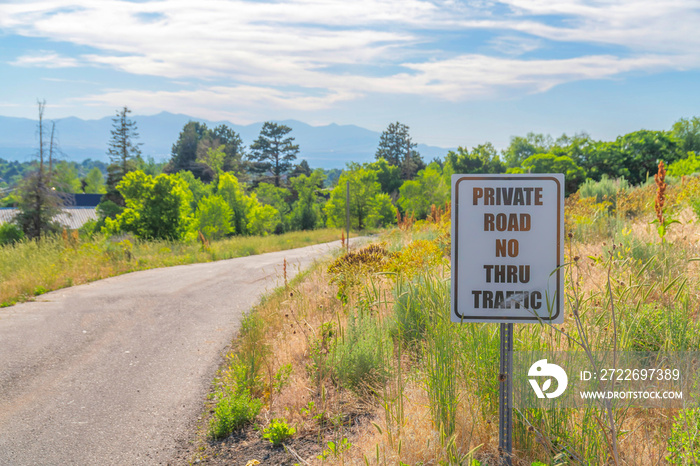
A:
(78, 209)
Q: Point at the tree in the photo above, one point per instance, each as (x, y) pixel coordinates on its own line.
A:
(550, 163)
(65, 178)
(521, 148)
(213, 217)
(156, 208)
(306, 211)
(276, 197)
(427, 189)
(368, 205)
(482, 159)
(123, 151)
(389, 176)
(95, 182)
(191, 151)
(38, 203)
(272, 151)
(397, 148)
(642, 150)
(686, 131)
(234, 194)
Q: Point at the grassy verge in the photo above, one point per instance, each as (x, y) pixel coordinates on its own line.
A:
(361, 356)
(28, 269)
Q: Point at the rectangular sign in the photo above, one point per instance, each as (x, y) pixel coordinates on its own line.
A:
(507, 247)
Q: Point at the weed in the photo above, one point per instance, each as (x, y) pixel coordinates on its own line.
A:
(684, 442)
(335, 450)
(278, 432)
(234, 409)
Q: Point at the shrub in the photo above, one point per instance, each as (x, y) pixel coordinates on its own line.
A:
(278, 431)
(363, 357)
(10, 233)
(605, 189)
(348, 270)
(684, 442)
(234, 409)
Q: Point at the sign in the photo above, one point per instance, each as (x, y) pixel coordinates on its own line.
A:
(507, 247)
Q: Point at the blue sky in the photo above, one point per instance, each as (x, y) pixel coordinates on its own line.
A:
(457, 72)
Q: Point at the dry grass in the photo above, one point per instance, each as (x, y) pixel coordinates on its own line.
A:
(393, 423)
(28, 269)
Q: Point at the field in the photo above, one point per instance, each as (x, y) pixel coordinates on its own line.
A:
(357, 362)
(31, 268)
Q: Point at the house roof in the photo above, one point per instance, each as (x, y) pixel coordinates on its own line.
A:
(70, 217)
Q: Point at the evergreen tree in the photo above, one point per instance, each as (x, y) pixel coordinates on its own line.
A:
(397, 148)
(124, 153)
(272, 151)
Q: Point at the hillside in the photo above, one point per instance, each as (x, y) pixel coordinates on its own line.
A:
(330, 146)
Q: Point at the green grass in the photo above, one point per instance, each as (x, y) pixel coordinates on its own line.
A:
(29, 268)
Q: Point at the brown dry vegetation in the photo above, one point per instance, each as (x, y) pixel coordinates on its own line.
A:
(405, 410)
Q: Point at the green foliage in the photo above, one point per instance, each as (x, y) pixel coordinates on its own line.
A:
(95, 182)
(428, 188)
(306, 213)
(521, 148)
(199, 189)
(550, 163)
(604, 190)
(156, 208)
(262, 219)
(335, 450)
(272, 151)
(213, 218)
(686, 132)
(234, 410)
(278, 432)
(10, 234)
(686, 166)
(191, 150)
(362, 358)
(233, 193)
(397, 148)
(389, 176)
(65, 177)
(366, 206)
(684, 442)
(642, 151)
(482, 159)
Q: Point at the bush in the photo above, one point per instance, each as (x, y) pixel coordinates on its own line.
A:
(10, 234)
(278, 431)
(604, 190)
(363, 357)
(684, 443)
(233, 411)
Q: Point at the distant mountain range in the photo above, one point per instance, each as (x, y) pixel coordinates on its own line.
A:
(330, 146)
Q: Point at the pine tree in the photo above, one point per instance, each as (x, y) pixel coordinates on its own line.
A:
(397, 148)
(272, 151)
(123, 152)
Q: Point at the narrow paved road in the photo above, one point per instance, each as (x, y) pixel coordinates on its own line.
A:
(115, 372)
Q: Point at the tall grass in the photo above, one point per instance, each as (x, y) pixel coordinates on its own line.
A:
(30, 268)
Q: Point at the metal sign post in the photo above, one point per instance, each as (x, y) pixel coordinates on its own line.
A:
(347, 212)
(507, 249)
(505, 401)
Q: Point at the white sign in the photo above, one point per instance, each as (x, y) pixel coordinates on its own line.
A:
(507, 247)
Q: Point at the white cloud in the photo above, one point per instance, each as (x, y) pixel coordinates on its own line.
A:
(45, 59)
(311, 54)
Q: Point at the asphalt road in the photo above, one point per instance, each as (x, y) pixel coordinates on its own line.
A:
(116, 371)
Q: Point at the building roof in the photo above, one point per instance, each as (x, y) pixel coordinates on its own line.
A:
(70, 217)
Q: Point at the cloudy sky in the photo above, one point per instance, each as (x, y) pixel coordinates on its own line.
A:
(457, 72)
